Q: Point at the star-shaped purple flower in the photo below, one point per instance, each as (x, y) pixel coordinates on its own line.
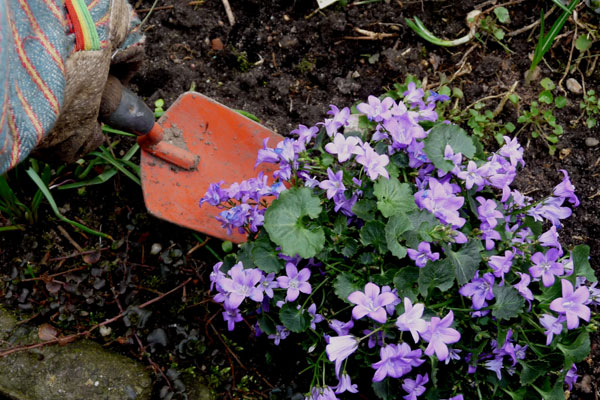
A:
(439, 335)
(343, 147)
(546, 266)
(572, 304)
(295, 282)
(373, 162)
(371, 303)
(334, 184)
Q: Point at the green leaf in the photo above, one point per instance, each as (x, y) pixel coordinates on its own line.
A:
(547, 84)
(583, 43)
(509, 302)
(443, 134)
(264, 256)
(560, 101)
(404, 280)
(466, 260)
(546, 97)
(393, 197)
(373, 233)
(531, 371)
(502, 14)
(396, 226)
(581, 263)
(266, 325)
(383, 390)
(437, 274)
(344, 284)
(285, 221)
(350, 248)
(578, 350)
(556, 393)
(293, 319)
(364, 209)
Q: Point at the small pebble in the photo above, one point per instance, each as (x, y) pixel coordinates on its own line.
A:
(155, 249)
(591, 142)
(216, 44)
(574, 86)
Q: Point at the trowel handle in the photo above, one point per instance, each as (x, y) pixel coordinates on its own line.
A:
(122, 109)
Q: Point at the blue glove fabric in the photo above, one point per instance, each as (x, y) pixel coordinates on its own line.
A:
(36, 38)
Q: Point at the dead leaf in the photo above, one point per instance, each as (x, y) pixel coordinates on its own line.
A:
(564, 153)
(47, 332)
(91, 258)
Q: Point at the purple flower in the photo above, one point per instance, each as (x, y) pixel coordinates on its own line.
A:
(479, 289)
(439, 334)
(489, 235)
(341, 328)
(321, 393)
(345, 385)
(553, 326)
(305, 135)
(566, 190)
(373, 162)
(546, 266)
(376, 110)
(314, 317)
(391, 308)
(571, 376)
(572, 304)
(413, 95)
(550, 238)
(522, 286)
(280, 334)
(457, 397)
(334, 184)
(242, 284)
(404, 129)
(340, 348)
(214, 195)
(411, 319)
(396, 360)
(267, 284)
(231, 316)
(422, 254)
(440, 200)
(512, 150)
(551, 210)
(487, 211)
(495, 365)
(501, 264)
(216, 275)
(235, 217)
(449, 155)
(295, 282)
(415, 387)
(371, 303)
(472, 175)
(343, 147)
(340, 118)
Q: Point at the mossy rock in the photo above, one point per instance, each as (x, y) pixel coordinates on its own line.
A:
(76, 371)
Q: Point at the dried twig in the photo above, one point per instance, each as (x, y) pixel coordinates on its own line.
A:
(69, 238)
(369, 35)
(79, 253)
(229, 13)
(49, 277)
(72, 337)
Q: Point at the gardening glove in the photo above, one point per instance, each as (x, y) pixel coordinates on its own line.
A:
(55, 57)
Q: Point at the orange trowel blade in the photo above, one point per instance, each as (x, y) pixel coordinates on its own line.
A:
(227, 144)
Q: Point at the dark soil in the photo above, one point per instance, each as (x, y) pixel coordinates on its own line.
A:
(285, 64)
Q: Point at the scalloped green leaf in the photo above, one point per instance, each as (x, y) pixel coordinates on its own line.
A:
(344, 284)
(581, 263)
(509, 303)
(437, 274)
(466, 260)
(293, 319)
(393, 197)
(443, 134)
(396, 226)
(287, 221)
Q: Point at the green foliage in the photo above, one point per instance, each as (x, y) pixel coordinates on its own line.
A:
(590, 107)
(288, 223)
(545, 40)
(540, 117)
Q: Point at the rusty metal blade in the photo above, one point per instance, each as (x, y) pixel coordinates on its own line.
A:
(227, 144)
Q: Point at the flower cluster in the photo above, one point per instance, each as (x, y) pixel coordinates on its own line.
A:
(404, 247)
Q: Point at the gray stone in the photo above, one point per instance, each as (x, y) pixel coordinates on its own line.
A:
(591, 142)
(574, 86)
(196, 389)
(76, 371)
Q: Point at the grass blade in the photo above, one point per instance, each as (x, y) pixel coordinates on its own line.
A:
(44, 189)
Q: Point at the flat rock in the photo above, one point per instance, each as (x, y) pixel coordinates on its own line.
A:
(76, 371)
(591, 142)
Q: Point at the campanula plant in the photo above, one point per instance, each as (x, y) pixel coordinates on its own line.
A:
(398, 255)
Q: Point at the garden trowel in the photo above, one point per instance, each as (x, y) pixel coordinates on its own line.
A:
(196, 142)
